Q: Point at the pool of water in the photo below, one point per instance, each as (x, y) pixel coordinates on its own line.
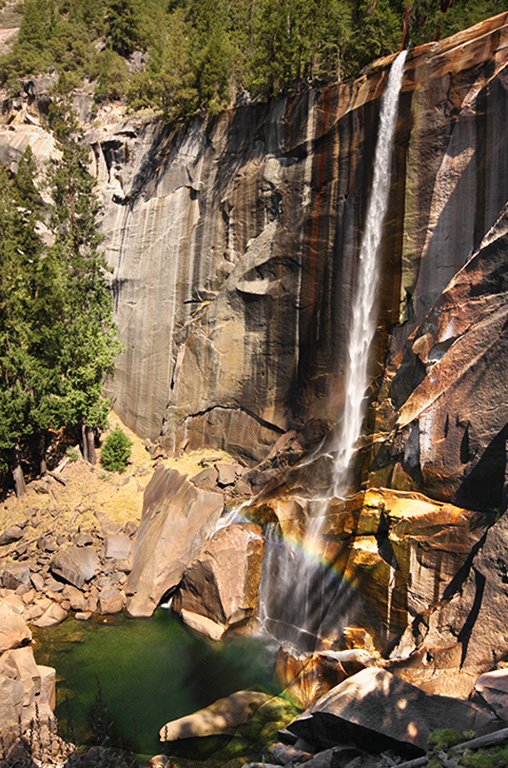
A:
(150, 671)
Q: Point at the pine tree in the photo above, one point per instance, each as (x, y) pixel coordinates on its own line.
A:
(82, 342)
(21, 374)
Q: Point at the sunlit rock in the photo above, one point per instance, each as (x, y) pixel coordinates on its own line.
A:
(177, 518)
(377, 708)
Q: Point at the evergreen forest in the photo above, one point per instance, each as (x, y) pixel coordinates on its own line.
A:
(181, 57)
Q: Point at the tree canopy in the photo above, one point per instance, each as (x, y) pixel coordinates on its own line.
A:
(57, 337)
(185, 56)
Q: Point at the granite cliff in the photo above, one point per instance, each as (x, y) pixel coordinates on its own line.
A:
(234, 244)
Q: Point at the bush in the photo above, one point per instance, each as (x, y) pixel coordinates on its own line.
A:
(116, 451)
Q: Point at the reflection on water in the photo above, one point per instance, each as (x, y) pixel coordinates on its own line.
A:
(150, 671)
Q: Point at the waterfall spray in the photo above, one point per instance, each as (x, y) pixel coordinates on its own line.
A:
(302, 595)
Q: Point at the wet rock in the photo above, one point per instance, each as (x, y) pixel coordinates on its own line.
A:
(176, 519)
(9, 535)
(76, 565)
(307, 676)
(110, 600)
(467, 633)
(13, 630)
(117, 547)
(222, 582)
(378, 708)
(83, 615)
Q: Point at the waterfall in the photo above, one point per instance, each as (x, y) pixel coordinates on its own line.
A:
(304, 595)
(364, 312)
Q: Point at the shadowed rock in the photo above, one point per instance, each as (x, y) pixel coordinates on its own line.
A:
(177, 518)
(373, 707)
(222, 583)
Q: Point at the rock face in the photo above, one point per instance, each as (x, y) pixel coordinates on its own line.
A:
(234, 244)
(391, 556)
(467, 634)
(373, 707)
(222, 583)
(177, 518)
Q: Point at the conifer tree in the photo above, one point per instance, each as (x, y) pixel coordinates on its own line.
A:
(82, 342)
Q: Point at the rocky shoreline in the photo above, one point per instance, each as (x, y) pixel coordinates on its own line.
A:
(211, 566)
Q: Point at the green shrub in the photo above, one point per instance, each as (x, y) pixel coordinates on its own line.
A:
(116, 451)
(73, 453)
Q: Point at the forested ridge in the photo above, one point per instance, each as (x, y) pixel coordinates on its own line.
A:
(182, 56)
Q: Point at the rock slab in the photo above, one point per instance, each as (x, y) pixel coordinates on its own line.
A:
(176, 520)
(377, 708)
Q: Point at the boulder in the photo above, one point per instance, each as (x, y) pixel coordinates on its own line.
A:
(110, 600)
(13, 630)
(493, 688)
(376, 708)
(226, 473)
(222, 717)
(244, 713)
(77, 565)
(206, 479)
(75, 597)
(39, 682)
(11, 703)
(8, 535)
(117, 546)
(15, 574)
(222, 582)
(307, 676)
(54, 614)
(176, 520)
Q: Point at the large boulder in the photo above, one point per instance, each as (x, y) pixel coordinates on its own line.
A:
(222, 582)
(177, 518)
(13, 630)
(76, 565)
(11, 703)
(39, 683)
(251, 715)
(376, 708)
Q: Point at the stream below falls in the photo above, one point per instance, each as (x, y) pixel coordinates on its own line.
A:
(150, 671)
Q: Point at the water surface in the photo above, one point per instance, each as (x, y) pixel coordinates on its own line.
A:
(150, 671)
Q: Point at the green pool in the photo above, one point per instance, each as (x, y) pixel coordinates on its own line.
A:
(150, 671)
